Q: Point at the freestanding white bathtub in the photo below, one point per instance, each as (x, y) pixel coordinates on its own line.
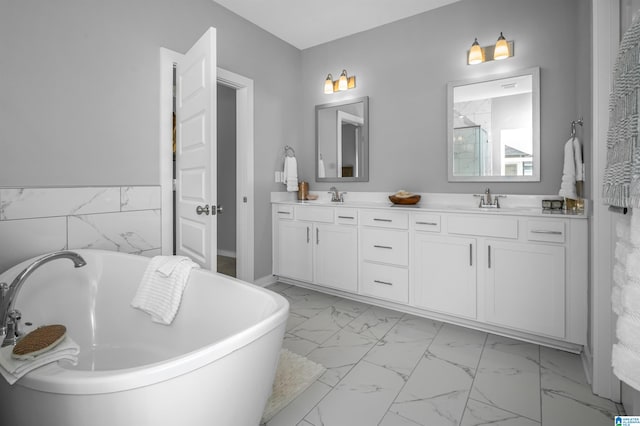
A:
(214, 365)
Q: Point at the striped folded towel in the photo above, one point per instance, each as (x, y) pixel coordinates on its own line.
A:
(160, 291)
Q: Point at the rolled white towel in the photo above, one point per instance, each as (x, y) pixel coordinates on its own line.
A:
(623, 227)
(634, 228)
(626, 365)
(616, 300)
(13, 369)
(630, 297)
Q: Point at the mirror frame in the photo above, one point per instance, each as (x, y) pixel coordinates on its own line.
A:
(535, 95)
(364, 172)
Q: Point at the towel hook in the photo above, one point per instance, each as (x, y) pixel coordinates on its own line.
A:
(573, 126)
(289, 152)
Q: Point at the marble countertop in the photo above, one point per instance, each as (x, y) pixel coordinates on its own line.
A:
(515, 205)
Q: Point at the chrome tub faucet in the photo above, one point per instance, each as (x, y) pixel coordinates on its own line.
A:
(9, 317)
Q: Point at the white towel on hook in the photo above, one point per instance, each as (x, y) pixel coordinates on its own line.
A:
(321, 170)
(291, 173)
(572, 170)
(160, 291)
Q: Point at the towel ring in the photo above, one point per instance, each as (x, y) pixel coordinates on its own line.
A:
(289, 152)
(573, 126)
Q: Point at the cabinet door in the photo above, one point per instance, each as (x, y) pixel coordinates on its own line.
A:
(444, 274)
(526, 286)
(336, 256)
(295, 254)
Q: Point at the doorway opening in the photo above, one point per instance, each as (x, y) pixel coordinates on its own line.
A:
(243, 200)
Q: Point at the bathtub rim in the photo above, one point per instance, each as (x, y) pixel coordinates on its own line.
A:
(53, 378)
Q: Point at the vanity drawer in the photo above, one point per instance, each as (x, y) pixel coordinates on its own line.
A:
(427, 222)
(346, 216)
(546, 230)
(385, 282)
(499, 227)
(385, 245)
(384, 219)
(314, 214)
(284, 211)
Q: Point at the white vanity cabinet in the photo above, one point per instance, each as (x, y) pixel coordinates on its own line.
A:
(310, 246)
(519, 273)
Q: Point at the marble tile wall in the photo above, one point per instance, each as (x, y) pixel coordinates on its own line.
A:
(34, 221)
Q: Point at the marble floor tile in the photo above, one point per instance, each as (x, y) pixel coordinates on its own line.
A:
(307, 303)
(297, 409)
(437, 390)
(340, 353)
(441, 374)
(375, 322)
(403, 346)
(562, 373)
(508, 377)
(478, 413)
(361, 398)
(324, 324)
(393, 419)
(298, 345)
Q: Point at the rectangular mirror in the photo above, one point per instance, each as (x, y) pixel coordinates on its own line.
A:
(493, 128)
(342, 141)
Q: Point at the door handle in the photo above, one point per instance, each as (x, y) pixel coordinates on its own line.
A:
(203, 210)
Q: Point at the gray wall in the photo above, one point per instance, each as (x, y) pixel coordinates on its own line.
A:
(226, 169)
(80, 85)
(404, 67)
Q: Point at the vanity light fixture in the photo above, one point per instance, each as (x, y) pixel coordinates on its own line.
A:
(501, 50)
(344, 82)
(476, 54)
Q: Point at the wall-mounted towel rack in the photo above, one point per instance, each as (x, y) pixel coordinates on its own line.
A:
(573, 126)
(289, 152)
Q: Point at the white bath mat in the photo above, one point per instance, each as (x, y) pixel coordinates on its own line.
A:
(294, 374)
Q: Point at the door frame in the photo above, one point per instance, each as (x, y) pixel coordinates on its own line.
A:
(244, 159)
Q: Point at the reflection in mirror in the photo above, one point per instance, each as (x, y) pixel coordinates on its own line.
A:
(494, 128)
(342, 141)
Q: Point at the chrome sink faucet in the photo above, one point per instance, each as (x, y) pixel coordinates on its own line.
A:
(9, 317)
(336, 197)
(487, 201)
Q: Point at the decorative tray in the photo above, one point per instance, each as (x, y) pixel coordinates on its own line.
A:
(404, 200)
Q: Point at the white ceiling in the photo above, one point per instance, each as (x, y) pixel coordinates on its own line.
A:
(307, 23)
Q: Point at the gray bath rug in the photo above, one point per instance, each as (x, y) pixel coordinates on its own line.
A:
(294, 374)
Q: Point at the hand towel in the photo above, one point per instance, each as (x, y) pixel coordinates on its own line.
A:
(13, 369)
(291, 173)
(160, 291)
(568, 184)
(321, 170)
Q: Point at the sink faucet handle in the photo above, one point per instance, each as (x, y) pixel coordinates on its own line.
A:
(497, 198)
(481, 199)
(342, 196)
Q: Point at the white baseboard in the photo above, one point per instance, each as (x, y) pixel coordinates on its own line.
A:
(265, 281)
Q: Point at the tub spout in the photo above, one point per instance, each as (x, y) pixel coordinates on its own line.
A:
(9, 317)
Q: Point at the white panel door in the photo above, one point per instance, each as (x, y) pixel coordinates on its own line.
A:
(196, 153)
